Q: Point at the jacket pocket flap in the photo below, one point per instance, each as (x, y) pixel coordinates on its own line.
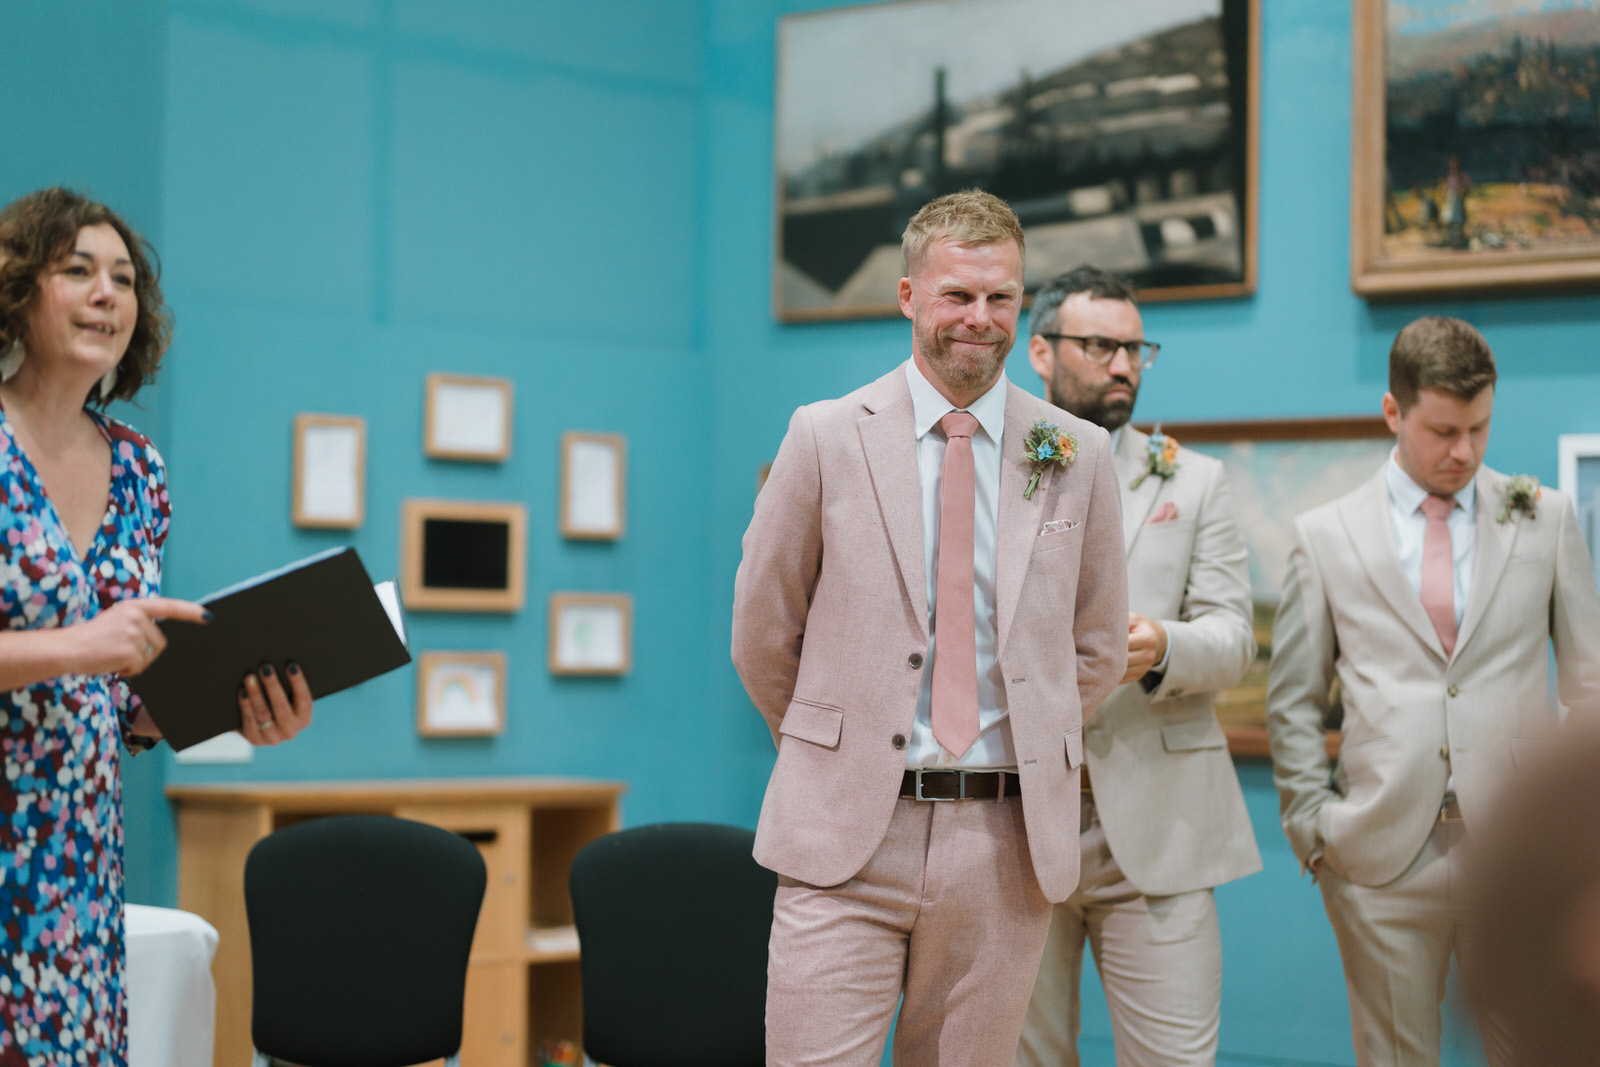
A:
(812, 722)
(1184, 735)
(1075, 747)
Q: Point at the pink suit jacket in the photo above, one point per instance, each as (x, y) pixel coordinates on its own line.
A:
(830, 625)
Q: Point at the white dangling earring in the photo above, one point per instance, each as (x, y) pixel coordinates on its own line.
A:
(11, 360)
(108, 383)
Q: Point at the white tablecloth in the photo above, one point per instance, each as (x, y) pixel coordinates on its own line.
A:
(172, 1002)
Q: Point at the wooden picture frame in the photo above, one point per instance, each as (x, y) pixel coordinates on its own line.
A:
(1578, 459)
(594, 481)
(1431, 87)
(591, 634)
(461, 694)
(1276, 470)
(467, 418)
(1125, 139)
(460, 555)
(328, 488)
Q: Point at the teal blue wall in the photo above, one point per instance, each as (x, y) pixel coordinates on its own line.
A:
(350, 195)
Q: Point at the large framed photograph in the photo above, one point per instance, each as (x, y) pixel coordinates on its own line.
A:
(463, 555)
(1123, 135)
(591, 633)
(1475, 162)
(467, 418)
(1276, 470)
(1579, 474)
(330, 469)
(461, 694)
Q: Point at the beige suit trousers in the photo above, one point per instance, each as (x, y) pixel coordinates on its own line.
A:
(1395, 941)
(947, 912)
(1159, 958)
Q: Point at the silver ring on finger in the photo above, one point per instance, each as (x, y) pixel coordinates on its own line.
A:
(265, 724)
(149, 651)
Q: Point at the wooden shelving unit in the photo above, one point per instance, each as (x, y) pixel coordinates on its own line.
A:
(522, 984)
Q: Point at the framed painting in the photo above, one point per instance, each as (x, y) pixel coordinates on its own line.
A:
(1474, 127)
(330, 468)
(1123, 135)
(1276, 470)
(591, 633)
(594, 499)
(461, 555)
(461, 694)
(1579, 474)
(467, 418)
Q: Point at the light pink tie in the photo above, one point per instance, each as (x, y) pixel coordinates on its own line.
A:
(955, 651)
(1438, 570)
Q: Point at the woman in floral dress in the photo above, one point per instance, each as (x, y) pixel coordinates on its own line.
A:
(83, 515)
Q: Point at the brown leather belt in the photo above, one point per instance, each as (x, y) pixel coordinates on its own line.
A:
(960, 785)
(1083, 781)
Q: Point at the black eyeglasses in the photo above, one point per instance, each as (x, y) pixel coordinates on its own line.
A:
(1103, 350)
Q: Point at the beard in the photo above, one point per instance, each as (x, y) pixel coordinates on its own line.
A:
(966, 370)
(1092, 405)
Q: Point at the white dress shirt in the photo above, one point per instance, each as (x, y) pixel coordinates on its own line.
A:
(1405, 513)
(992, 750)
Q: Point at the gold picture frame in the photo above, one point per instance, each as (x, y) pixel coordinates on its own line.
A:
(461, 694)
(460, 555)
(328, 489)
(594, 481)
(591, 634)
(467, 418)
(1438, 205)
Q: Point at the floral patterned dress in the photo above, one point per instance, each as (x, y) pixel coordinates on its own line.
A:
(61, 932)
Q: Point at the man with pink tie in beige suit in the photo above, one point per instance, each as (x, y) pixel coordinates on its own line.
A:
(932, 599)
(1434, 594)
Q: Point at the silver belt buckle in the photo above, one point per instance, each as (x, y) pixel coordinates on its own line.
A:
(961, 783)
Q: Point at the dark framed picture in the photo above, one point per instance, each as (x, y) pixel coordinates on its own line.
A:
(1475, 166)
(463, 555)
(1276, 470)
(1122, 134)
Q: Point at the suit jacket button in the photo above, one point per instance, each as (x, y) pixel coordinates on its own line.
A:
(1444, 752)
(898, 740)
(1452, 690)
(915, 659)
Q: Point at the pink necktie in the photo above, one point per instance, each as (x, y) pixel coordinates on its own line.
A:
(1438, 570)
(955, 653)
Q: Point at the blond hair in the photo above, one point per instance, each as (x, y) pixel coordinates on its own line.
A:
(970, 217)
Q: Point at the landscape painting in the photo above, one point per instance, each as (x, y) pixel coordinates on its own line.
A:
(1122, 135)
(1477, 145)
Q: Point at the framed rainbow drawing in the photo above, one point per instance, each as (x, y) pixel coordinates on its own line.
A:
(461, 694)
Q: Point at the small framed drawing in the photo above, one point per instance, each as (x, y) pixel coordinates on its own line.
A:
(467, 418)
(462, 555)
(591, 633)
(330, 471)
(1580, 479)
(461, 694)
(593, 486)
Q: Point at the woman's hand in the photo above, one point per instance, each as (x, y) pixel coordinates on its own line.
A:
(124, 639)
(268, 715)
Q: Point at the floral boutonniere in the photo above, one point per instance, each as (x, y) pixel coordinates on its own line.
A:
(1161, 458)
(1045, 447)
(1522, 493)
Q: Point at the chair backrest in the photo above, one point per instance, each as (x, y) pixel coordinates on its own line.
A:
(360, 928)
(673, 922)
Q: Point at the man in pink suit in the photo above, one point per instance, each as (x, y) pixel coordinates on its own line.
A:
(857, 576)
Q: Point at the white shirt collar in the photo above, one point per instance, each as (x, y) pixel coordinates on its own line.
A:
(1406, 495)
(928, 405)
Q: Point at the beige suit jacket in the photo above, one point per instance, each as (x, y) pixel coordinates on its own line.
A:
(830, 624)
(1164, 785)
(1412, 717)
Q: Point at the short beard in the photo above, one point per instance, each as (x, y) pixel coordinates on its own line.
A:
(1110, 416)
(966, 376)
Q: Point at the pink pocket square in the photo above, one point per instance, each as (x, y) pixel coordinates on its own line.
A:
(1167, 512)
(1056, 526)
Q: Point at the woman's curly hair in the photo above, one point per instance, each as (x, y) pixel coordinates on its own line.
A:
(40, 228)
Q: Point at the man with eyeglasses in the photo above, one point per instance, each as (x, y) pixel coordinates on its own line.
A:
(1162, 820)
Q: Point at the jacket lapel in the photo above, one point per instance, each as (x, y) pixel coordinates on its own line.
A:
(1019, 519)
(1366, 521)
(1491, 550)
(889, 441)
(1136, 503)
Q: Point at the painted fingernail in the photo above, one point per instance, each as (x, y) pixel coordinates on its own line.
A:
(266, 670)
(206, 616)
(294, 668)
(244, 694)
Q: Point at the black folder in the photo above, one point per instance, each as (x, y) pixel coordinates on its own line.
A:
(321, 613)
